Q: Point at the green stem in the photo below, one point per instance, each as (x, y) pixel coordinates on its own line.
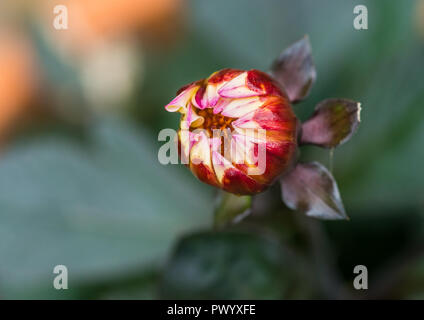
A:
(231, 209)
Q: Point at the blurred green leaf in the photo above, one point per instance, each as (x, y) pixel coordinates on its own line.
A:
(225, 265)
(129, 286)
(60, 73)
(98, 209)
(411, 285)
(380, 237)
(386, 152)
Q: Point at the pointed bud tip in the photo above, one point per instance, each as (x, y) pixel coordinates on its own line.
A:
(310, 188)
(332, 124)
(294, 70)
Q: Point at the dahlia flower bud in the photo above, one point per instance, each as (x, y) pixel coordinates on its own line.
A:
(237, 130)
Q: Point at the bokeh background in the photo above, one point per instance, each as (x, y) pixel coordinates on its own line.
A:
(81, 186)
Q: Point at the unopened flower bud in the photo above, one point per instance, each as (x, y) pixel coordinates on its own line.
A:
(237, 130)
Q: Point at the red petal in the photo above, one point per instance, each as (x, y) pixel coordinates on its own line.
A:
(262, 83)
(224, 75)
(237, 182)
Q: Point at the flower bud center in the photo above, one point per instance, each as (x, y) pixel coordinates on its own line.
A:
(214, 121)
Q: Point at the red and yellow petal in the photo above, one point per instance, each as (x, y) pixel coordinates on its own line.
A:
(201, 160)
(181, 101)
(262, 83)
(236, 108)
(232, 179)
(238, 88)
(191, 119)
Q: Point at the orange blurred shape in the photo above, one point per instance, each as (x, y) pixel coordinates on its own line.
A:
(92, 20)
(17, 78)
